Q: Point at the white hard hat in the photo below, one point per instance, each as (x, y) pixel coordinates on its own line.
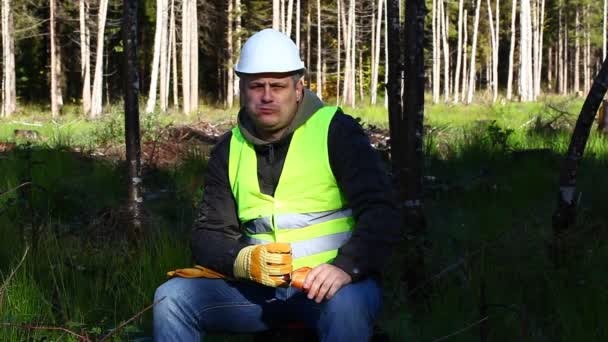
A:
(269, 51)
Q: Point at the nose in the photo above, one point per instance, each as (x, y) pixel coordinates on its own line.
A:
(267, 96)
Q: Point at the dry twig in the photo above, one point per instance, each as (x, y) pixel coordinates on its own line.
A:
(125, 323)
(15, 189)
(32, 327)
(460, 331)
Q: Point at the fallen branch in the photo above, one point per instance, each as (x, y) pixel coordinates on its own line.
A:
(27, 123)
(125, 323)
(32, 327)
(460, 331)
(13, 272)
(15, 189)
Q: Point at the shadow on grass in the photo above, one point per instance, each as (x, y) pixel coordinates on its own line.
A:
(489, 199)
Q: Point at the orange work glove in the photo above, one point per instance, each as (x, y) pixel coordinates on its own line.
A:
(298, 276)
(269, 264)
(196, 272)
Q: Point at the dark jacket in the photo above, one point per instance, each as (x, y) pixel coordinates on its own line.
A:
(216, 235)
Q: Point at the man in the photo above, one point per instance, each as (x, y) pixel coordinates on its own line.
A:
(295, 184)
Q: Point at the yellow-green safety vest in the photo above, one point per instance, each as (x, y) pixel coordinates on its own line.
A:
(308, 210)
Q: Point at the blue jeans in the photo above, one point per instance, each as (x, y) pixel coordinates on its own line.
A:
(192, 308)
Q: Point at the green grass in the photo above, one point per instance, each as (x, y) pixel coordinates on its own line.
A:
(488, 210)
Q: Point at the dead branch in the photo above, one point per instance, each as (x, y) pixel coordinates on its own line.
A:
(13, 272)
(33, 327)
(15, 189)
(125, 323)
(460, 331)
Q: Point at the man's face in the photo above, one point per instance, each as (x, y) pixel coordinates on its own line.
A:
(271, 101)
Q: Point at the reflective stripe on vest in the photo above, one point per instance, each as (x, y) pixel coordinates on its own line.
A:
(308, 209)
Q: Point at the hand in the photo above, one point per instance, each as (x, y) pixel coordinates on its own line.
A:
(269, 264)
(323, 281)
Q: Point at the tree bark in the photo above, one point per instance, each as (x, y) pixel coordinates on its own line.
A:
(457, 76)
(577, 53)
(173, 39)
(85, 55)
(319, 70)
(276, 15)
(194, 57)
(96, 96)
(229, 58)
(565, 214)
(525, 52)
(338, 53)
(9, 93)
(186, 64)
(131, 91)
(376, 55)
(436, 47)
(151, 104)
(604, 38)
(55, 102)
(446, 51)
(473, 55)
(298, 23)
(164, 57)
(289, 18)
(511, 51)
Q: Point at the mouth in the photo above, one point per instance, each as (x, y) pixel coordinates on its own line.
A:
(266, 110)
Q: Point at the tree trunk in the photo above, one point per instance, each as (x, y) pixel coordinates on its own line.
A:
(565, 214)
(131, 91)
(151, 104)
(173, 39)
(298, 23)
(97, 95)
(446, 52)
(186, 64)
(229, 58)
(164, 57)
(494, 35)
(238, 32)
(604, 38)
(289, 18)
(276, 15)
(308, 29)
(85, 55)
(577, 52)
(338, 53)
(538, 58)
(457, 76)
(525, 52)
(319, 71)
(511, 52)
(435, 28)
(9, 93)
(194, 57)
(376, 55)
(473, 54)
(465, 70)
(55, 103)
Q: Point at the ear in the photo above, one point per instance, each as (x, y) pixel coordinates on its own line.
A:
(299, 90)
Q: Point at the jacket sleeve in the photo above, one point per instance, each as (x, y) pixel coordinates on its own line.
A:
(366, 186)
(216, 233)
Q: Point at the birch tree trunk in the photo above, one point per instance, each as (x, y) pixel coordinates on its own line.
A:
(353, 90)
(525, 69)
(289, 18)
(9, 93)
(435, 28)
(338, 53)
(308, 29)
(577, 52)
(132, 134)
(85, 55)
(186, 63)
(376, 55)
(173, 39)
(229, 58)
(511, 51)
(164, 56)
(604, 38)
(319, 70)
(193, 57)
(238, 33)
(96, 96)
(465, 44)
(471, 85)
(566, 60)
(55, 103)
(276, 14)
(446, 52)
(538, 58)
(298, 24)
(458, 54)
(386, 63)
(156, 58)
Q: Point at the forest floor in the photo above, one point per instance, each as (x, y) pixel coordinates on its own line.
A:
(490, 190)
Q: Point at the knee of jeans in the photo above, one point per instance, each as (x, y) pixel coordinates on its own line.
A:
(354, 302)
(165, 297)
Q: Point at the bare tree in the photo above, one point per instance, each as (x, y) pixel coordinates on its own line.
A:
(193, 56)
(164, 56)
(173, 46)
(9, 85)
(160, 7)
(526, 89)
(96, 97)
(376, 54)
(604, 38)
(289, 18)
(458, 54)
(577, 53)
(85, 55)
(443, 17)
(494, 35)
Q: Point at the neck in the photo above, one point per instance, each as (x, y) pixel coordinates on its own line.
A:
(270, 136)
